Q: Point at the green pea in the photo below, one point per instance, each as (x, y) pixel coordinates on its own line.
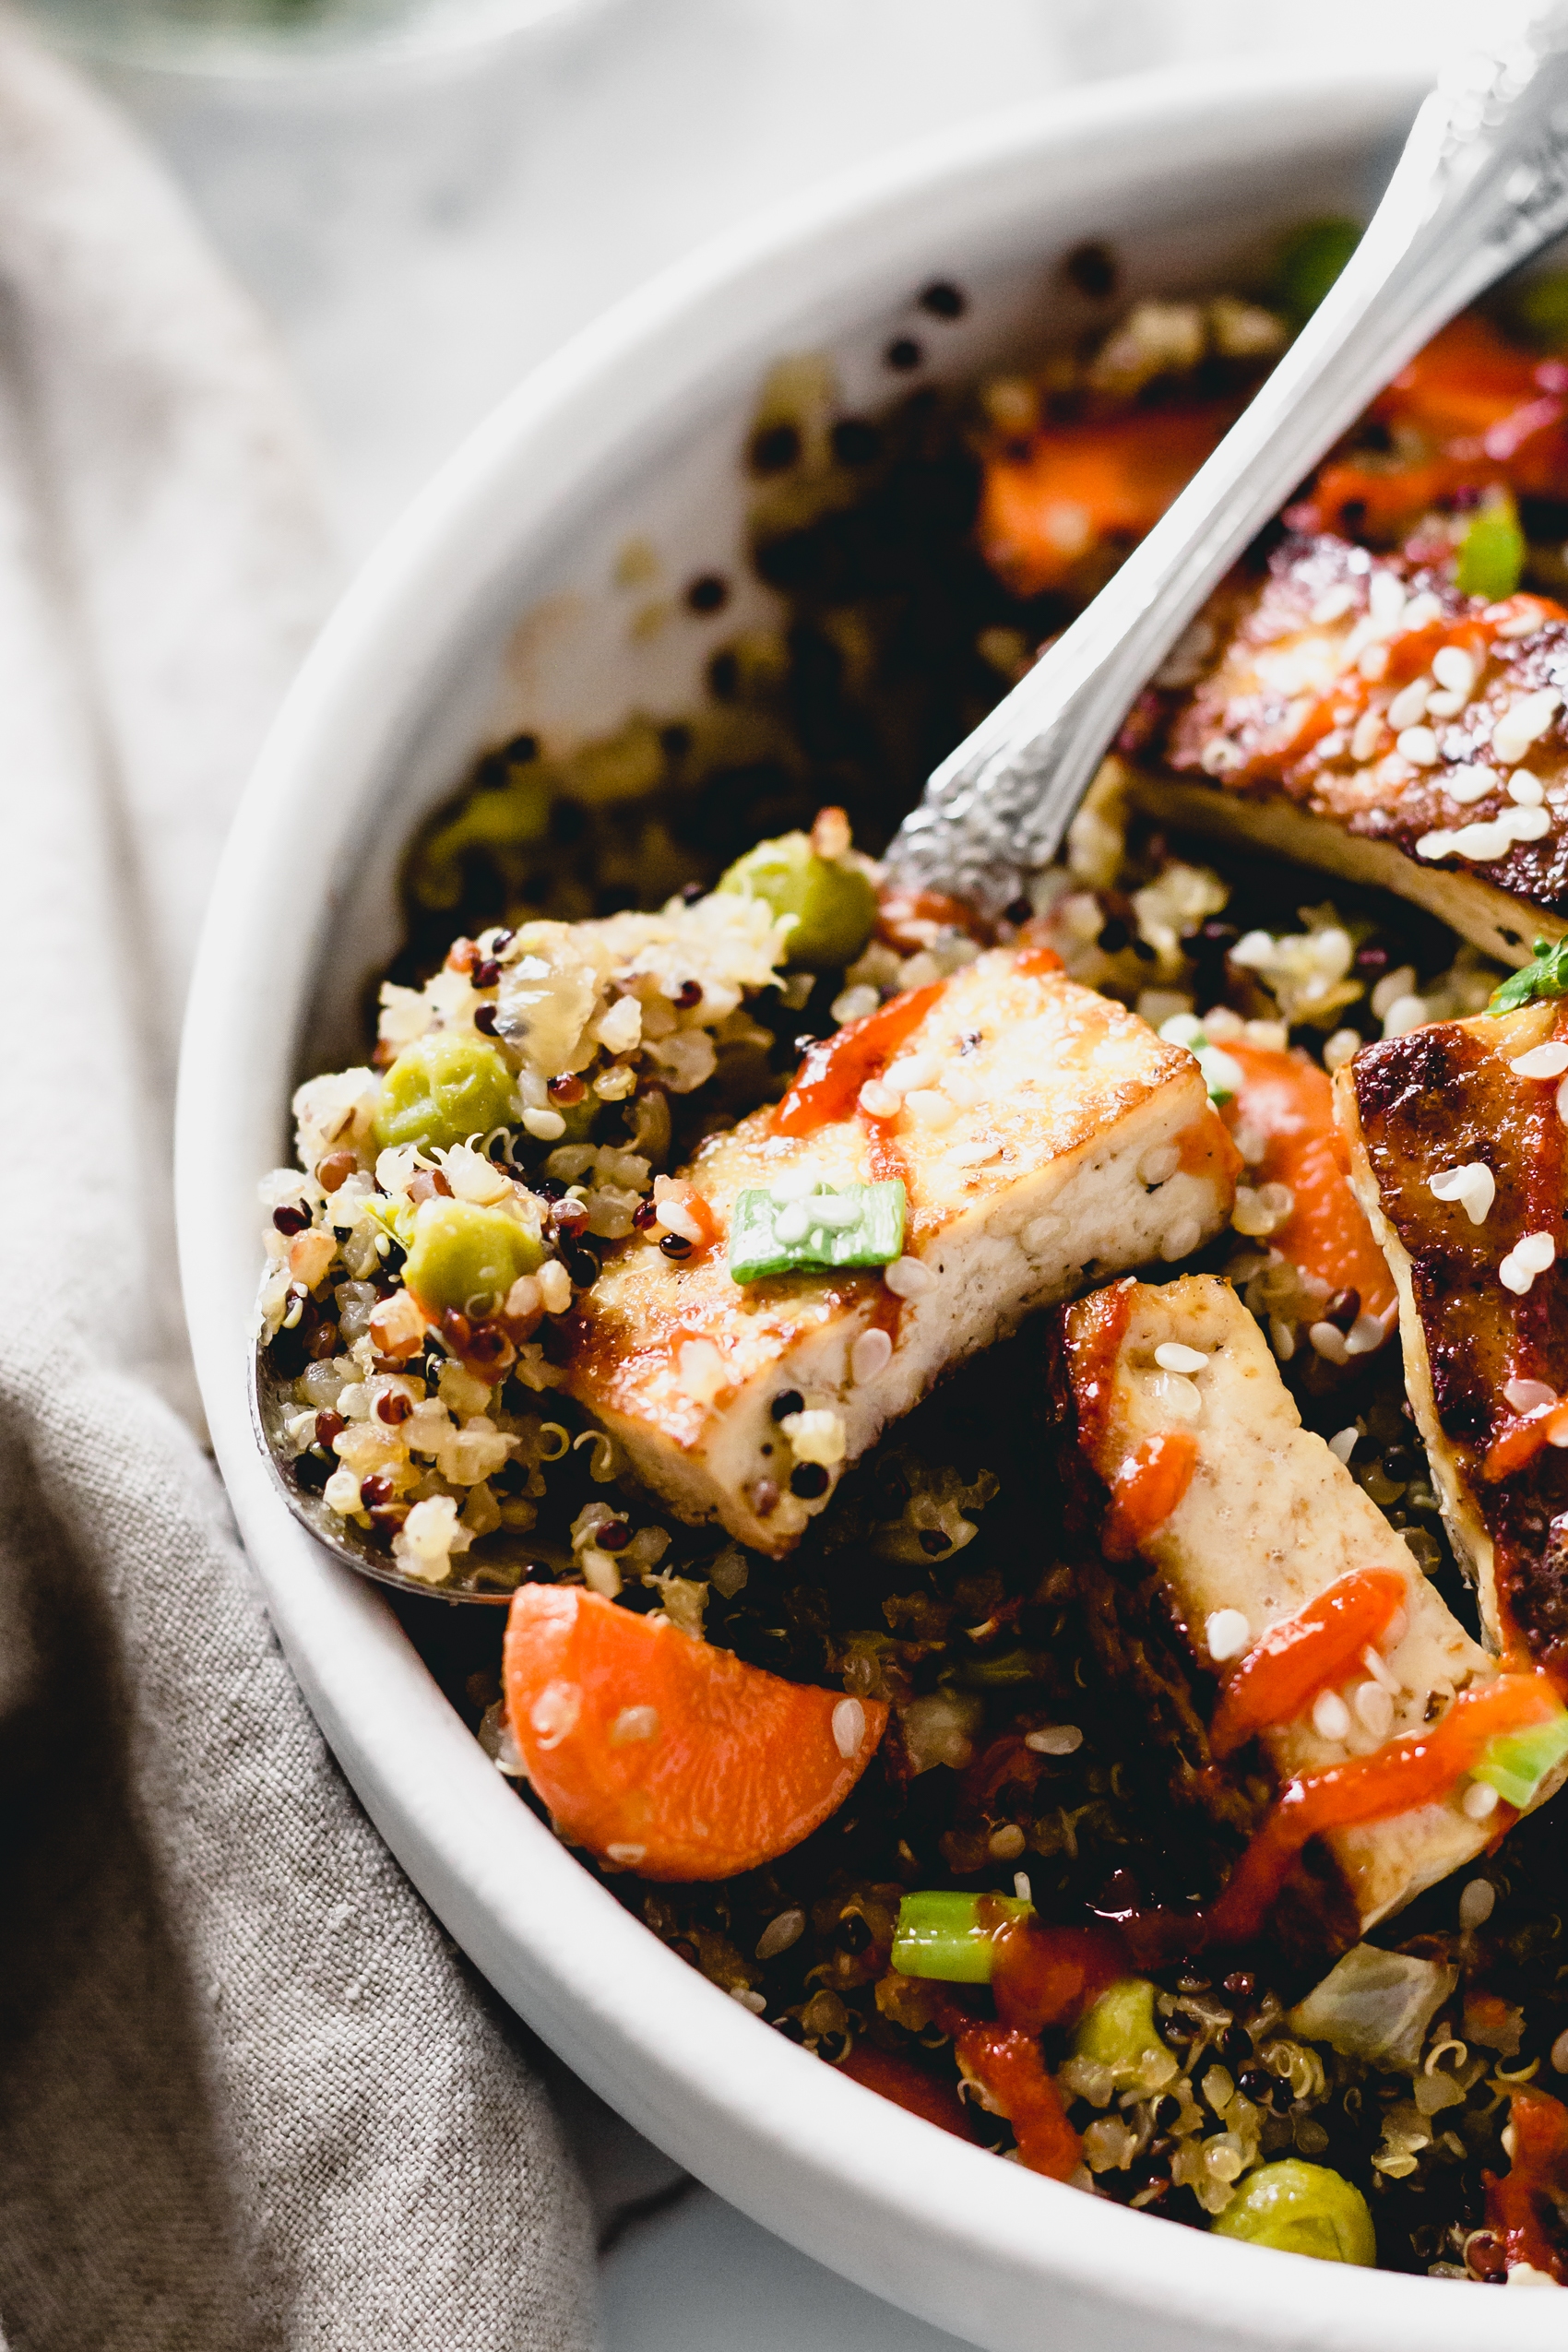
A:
(1310, 260)
(833, 904)
(1301, 2209)
(1539, 313)
(1119, 2032)
(1492, 553)
(442, 1089)
(461, 1254)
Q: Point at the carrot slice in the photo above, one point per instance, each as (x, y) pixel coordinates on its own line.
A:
(1076, 484)
(664, 1755)
(908, 2086)
(1289, 1102)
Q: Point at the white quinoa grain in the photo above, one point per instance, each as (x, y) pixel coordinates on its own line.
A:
(871, 1354)
(1004, 1845)
(1056, 1739)
(554, 1287)
(1479, 1801)
(1343, 1444)
(1228, 1634)
(1340, 1047)
(1331, 1717)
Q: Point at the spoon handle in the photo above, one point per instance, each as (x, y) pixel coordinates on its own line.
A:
(1483, 184)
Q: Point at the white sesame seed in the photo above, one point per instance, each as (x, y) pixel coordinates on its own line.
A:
(1282, 1337)
(1228, 1634)
(1385, 601)
(1523, 723)
(1470, 783)
(1056, 1739)
(1331, 1717)
(1365, 1335)
(931, 1106)
(1366, 735)
(1541, 1061)
(1454, 669)
(1409, 704)
(1473, 1186)
(1172, 1355)
(1373, 662)
(1328, 1341)
(1377, 1667)
(1528, 823)
(677, 1218)
(791, 1224)
(780, 1933)
(848, 1727)
(1530, 1396)
(1524, 789)
(907, 1278)
(1181, 1240)
(1479, 1801)
(1160, 1164)
(1418, 744)
(755, 2001)
(871, 1354)
(1374, 1709)
(1563, 1102)
(1174, 1394)
(1422, 610)
(1560, 2054)
(835, 1211)
(1476, 1901)
(878, 1101)
(1343, 1444)
(1333, 604)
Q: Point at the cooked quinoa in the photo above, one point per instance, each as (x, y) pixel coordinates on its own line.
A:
(578, 1006)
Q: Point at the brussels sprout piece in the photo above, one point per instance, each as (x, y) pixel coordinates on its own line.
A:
(1301, 2209)
(442, 1089)
(948, 1936)
(833, 904)
(1492, 553)
(465, 1258)
(1120, 2033)
(1310, 260)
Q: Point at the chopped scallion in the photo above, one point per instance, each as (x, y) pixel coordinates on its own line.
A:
(948, 1936)
(1517, 1763)
(857, 1224)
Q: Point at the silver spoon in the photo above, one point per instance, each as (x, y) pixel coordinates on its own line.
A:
(1481, 186)
(492, 1576)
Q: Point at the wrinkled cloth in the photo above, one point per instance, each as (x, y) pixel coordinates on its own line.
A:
(251, 2097)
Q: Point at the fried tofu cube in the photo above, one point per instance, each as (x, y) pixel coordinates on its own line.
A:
(1046, 1138)
(1268, 1518)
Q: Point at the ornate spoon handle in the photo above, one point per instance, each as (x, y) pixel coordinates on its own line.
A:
(1482, 184)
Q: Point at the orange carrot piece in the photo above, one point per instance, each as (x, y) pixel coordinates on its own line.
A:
(662, 1754)
(1289, 1102)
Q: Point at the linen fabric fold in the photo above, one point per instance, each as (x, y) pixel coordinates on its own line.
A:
(250, 2096)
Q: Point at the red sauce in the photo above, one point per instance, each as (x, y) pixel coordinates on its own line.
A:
(1419, 1769)
(1094, 1330)
(1516, 2205)
(910, 919)
(1147, 1490)
(1288, 1102)
(1306, 1654)
(1008, 2066)
(829, 1080)
(1044, 1977)
(1038, 963)
(908, 2085)
(1523, 1441)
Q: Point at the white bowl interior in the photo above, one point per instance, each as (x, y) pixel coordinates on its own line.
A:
(494, 607)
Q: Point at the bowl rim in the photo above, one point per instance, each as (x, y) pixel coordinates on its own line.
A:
(919, 2218)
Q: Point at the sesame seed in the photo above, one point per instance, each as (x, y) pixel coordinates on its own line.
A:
(1530, 1396)
(780, 1933)
(1470, 783)
(907, 1278)
(1331, 1717)
(877, 1101)
(1172, 1355)
(1527, 1258)
(1523, 723)
(849, 1729)
(1328, 1341)
(1344, 1442)
(627, 1857)
(1476, 1903)
(1057, 1738)
(1453, 669)
(1228, 1634)
(1479, 1801)
(1418, 745)
(1374, 1709)
(1367, 735)
(1524, 789)
(871, 1354)
(1541, 1061)
(1334, 604)
(1340, 1047)
(1408, 704)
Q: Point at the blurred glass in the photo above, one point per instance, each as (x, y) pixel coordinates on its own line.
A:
(267, 38)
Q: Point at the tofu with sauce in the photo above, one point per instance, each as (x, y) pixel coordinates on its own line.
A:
(1268, 1518)
(1047, 1138)
(1485, 1332)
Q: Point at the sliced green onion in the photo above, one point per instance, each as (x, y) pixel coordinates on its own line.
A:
(1545, 977)
(1517, 1763)
(950, 1936)
(1222, 1072)
(1492, 553)
(859, 1225)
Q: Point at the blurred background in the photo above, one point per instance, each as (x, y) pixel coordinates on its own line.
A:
(427, 196)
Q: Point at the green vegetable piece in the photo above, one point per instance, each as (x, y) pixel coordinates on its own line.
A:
(1492, 553)
(1538, 313)
(442, 1089)
(862, 1225)
(1001, 1669)
(1310, 260)
(1544, 978)
(1517, 1763)
(946, 1936)
(833, 904)
(467, 1257)
(1301, 2209)
(1119, 2033)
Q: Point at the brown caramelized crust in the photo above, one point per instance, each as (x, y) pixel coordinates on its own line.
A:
(1439, 1098)
(1285, 739)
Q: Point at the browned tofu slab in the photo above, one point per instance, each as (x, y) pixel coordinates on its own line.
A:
(1484, 1362)
(1052, 1140)
(1320, 730)
(1268, 1519)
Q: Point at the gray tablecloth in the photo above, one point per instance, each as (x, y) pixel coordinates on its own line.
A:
(250, 2096)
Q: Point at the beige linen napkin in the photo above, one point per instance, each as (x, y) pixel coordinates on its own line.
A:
(250, 2097)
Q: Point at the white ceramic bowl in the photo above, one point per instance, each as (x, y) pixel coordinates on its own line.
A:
(635, 429)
